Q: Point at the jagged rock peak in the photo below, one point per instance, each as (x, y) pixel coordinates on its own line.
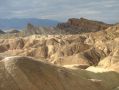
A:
(77, 22)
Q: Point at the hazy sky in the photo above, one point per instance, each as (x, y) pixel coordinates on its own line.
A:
(103, 10)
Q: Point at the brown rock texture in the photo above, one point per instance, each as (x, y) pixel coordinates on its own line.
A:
(85, 23)
(75, 25)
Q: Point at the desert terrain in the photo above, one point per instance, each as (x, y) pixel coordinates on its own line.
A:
(79, 54)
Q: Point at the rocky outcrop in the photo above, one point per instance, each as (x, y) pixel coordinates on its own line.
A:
(75, 26)
(85, 23)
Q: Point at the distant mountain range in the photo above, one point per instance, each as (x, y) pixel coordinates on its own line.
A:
(72, 26)
(46, 27)
(21, 23)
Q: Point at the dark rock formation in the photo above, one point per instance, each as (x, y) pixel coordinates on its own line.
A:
(75, 26)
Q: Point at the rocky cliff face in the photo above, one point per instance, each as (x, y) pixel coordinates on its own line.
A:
(74, 25)
(82, 22)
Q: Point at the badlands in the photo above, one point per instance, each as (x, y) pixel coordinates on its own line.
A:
(61, 60)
